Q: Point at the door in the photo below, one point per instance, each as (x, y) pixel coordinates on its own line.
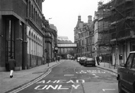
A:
(23, 46)
(10, 41)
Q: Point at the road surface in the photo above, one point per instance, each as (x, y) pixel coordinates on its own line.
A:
(71, 77)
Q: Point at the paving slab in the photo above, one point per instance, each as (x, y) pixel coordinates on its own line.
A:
(22, 77)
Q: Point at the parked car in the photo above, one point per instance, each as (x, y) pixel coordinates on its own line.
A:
(126, 75)
(90, 61)
(82, 60)
(78, 59)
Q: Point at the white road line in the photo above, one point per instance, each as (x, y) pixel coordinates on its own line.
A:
(71, 90)
(95, 75)
(108, 89)
(74, 69)
(68, 74)
(29, 84)
(36, 80)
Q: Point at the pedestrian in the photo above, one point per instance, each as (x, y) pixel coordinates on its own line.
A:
(100, 58)
(97, 58)
(58, 58)
(11, 66)
(48, 61)
(121, 58)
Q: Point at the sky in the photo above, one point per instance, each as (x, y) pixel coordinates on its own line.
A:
(64, 14)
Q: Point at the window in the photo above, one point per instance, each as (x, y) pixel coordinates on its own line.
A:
(129, 61)
(133, 64)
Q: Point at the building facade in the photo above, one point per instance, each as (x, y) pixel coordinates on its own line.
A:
(122, 29)
(101, 31)
(83, 33)
(66, 47)
(22, 34)
(114, 29)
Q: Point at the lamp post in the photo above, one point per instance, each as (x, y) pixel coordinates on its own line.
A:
(55, 51)
(47, 56)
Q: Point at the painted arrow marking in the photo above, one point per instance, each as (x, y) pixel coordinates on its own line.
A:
(107, 89)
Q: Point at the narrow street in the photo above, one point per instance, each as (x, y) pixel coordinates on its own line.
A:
(71, 77)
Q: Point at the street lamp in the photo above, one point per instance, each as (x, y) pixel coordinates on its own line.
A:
(55, 51)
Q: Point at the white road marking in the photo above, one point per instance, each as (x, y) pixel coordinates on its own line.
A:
(36, 80)
(68, 74)
(95, 75)
(90, 71)
(71, 89)
(31, 83)
(75, 69)
(108, 89)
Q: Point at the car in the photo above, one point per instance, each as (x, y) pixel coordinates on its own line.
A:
(90, 61)
(78, 59)
(126, 75)
(82, 60)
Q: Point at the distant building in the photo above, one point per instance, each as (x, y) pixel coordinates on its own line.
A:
(83, 33)
(65, 47)
(63, 39)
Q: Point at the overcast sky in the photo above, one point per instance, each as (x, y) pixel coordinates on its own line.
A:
(64, 14)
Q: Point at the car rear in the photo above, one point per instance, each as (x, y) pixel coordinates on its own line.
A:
(90, 61)
(78, 59)
(82, 60)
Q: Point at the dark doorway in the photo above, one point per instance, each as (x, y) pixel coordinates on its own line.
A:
(10, 40)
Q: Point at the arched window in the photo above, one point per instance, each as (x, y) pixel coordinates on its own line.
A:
(32, 35)
(29, 33)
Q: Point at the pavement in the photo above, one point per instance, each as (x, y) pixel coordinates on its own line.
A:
(23, 77)
(108, 66)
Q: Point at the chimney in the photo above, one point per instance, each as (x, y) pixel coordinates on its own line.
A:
(89, 19)
(79, 18)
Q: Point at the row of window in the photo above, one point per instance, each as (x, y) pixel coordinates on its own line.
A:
(84, 34)
(65, 50)
(86, 49)
(35, 42)
(34, 13)
(34, 35)
(34, 48)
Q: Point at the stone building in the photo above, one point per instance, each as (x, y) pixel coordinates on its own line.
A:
(66, 47)
(50, 42)
(21, 34)
(83, 33)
